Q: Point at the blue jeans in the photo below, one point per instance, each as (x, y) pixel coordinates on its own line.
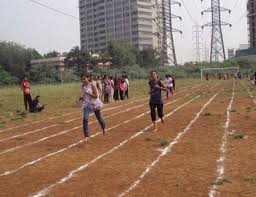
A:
(99, 117)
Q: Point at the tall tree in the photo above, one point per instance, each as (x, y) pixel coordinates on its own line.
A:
(79, 60)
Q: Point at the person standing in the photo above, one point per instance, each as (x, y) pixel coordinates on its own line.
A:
(112, 85)
(117, 82)
(90, 103)
(127, 83)
(122, 88)
(25, 88)
(156, 101)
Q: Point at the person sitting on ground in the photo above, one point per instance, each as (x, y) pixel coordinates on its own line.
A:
(36, 106)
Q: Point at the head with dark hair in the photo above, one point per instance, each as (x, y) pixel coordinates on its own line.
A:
(84, 78)
(153, 74)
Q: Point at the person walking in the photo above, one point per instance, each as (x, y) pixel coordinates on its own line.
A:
(25, 88)
(156, 101)
(169, 86)
(90, 103)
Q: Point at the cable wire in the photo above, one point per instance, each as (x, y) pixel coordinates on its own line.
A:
(189, 14)
(55, 10)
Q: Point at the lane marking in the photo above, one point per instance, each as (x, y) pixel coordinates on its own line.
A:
(72, 173)
(221, 160)
(75, 144)
(51, 118)
(168, 149)
(249, 92)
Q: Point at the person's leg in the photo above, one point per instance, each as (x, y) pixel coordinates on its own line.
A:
(29, 101)
(87, 111)
(25, 101)
(101, 120)
(160, 112)
(153, 115)
(121, 95)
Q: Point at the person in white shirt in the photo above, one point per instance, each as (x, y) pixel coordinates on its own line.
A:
(90, 103)
(168, 85)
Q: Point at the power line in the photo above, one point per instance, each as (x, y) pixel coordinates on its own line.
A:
(189, 14)
(53, 9)
(236, 3)
(241, 17)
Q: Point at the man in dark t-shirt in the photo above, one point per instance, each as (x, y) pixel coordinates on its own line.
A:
(156, 101)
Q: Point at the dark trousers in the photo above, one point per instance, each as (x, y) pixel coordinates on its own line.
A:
(126, 94)
(106, 98)
(99, 117)
(121, 95)
(116, 93)
(27, 101)
(153, 111)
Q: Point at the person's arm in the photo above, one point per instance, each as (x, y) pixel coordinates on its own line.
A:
(161, 87)
(94, 92)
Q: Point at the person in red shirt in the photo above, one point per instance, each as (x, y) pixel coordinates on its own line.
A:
(25, 88)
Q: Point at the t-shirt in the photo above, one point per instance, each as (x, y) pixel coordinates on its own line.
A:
(25, 85)
(169, 82)
(155, 93)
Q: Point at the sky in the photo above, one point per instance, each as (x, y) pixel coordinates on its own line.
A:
(34, 26)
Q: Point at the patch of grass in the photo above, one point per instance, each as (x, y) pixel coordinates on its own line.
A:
(207, 114)
(232, 110)
(147, 138)
(163, 141)
(250, 178)
(237, 136)
(221, 181)
(19, 138)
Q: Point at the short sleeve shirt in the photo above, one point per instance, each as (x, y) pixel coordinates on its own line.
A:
(155, 93)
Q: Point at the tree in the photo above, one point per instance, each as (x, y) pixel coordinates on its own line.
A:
(15, 58)
(79, 60)
(52, 54)
(121, 52)
(148, 58)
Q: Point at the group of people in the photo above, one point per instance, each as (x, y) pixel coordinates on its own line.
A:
(111, 88)
(108, 89)
(92, 92)
(31, 105)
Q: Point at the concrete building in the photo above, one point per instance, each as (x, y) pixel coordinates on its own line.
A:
(231, 53)
(130, 20)
(251, 9)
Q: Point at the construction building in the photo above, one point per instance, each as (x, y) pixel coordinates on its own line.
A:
(130, 20)
(251, 9)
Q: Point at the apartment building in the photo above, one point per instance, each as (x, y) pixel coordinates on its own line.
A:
(251, 8)
(130, 20)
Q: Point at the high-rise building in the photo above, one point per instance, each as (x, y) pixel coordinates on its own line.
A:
(130, 20)
(251, 8)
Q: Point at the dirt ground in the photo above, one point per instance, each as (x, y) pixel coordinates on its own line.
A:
(183, 158)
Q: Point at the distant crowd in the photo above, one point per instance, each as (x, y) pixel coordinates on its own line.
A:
(110, 88)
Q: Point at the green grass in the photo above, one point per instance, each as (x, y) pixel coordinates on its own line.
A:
(60, 98)
(221, 181)
(250, 178)
(237, 136)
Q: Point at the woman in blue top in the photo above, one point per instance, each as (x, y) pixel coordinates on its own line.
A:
(156, 86)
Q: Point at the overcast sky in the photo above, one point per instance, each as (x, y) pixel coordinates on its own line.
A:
(45, 30)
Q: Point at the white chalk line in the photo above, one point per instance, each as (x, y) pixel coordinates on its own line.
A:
(249, 92)
(54, 125)
(46, 190)
(221, 160)
(57, 134)
(51, 118)
(74, 144)
(77, 143)
(167, 149)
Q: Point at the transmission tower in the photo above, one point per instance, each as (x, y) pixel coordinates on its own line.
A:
(165, 17)
(197, 42)
(217, 43)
